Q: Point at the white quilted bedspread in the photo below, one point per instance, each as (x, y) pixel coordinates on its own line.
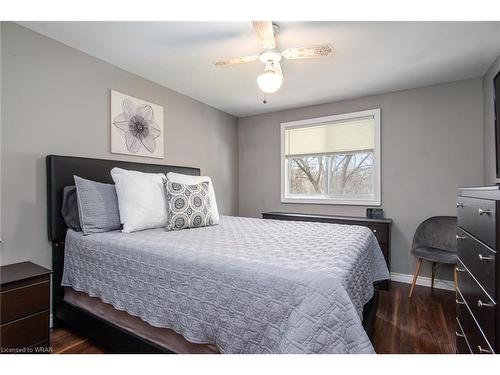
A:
(247, 285)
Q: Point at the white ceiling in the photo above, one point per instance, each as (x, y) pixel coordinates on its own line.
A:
(369, 57)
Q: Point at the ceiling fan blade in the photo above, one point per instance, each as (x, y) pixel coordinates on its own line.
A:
(236, 60)
(265, 33)
(307, 52)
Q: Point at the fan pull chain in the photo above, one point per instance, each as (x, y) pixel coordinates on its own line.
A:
(264, 101)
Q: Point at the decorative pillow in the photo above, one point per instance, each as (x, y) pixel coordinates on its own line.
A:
(69, 208)
(141, 199)
(193, 180)
(188, 205)
(97, 206)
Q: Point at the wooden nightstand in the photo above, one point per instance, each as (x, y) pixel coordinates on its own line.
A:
(24, 308)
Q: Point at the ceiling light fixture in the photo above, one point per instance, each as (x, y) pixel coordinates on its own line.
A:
(271, 80)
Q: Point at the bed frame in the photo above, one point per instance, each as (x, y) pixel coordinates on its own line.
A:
(60, 172)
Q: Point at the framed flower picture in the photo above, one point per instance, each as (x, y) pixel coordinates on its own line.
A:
(136, 126)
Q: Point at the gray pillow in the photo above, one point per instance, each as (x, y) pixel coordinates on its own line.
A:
(69, 208)
(188, 206)
(97, 206)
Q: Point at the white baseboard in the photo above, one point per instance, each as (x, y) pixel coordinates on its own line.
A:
(423, 281)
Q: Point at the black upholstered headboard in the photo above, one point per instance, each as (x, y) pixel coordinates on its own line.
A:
(60, 172)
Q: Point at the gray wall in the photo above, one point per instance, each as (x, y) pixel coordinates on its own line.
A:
(489, 124)
(56, 100)
(432, 142)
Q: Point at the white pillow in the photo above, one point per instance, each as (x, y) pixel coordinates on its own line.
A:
(193, 180)
(141, 199)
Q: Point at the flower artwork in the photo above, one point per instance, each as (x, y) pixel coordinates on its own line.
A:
(136, 126)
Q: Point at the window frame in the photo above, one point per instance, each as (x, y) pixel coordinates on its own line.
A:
(286, 198)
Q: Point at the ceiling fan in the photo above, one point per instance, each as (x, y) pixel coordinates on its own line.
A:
(271, 80)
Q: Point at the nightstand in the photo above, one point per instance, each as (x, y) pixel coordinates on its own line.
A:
(24, 308)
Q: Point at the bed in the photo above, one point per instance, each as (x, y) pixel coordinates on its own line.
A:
(245, 286)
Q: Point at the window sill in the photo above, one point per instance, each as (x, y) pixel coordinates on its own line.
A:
(339, 202)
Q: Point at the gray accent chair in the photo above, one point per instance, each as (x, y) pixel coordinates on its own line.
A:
(435, 241)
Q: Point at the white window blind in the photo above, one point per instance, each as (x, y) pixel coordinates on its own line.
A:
(333, 137)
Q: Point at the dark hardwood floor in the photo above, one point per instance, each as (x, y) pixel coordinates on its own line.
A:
(424, 324)
(64, 341)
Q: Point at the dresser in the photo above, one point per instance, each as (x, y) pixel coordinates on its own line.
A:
(24, 308)
(381, 228)
(478, 272)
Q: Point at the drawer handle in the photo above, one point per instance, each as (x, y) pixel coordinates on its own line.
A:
(374, 231)
(459, 238)
(483, 258)
(482, 304)
(459, 334)
(459, 302)
(481, 350)
(460, 204)
(484, 212)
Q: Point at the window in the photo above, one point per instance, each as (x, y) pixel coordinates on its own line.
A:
(332, 160)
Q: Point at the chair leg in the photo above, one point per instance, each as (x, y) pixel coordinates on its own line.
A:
(433, 274)
(415, 276)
